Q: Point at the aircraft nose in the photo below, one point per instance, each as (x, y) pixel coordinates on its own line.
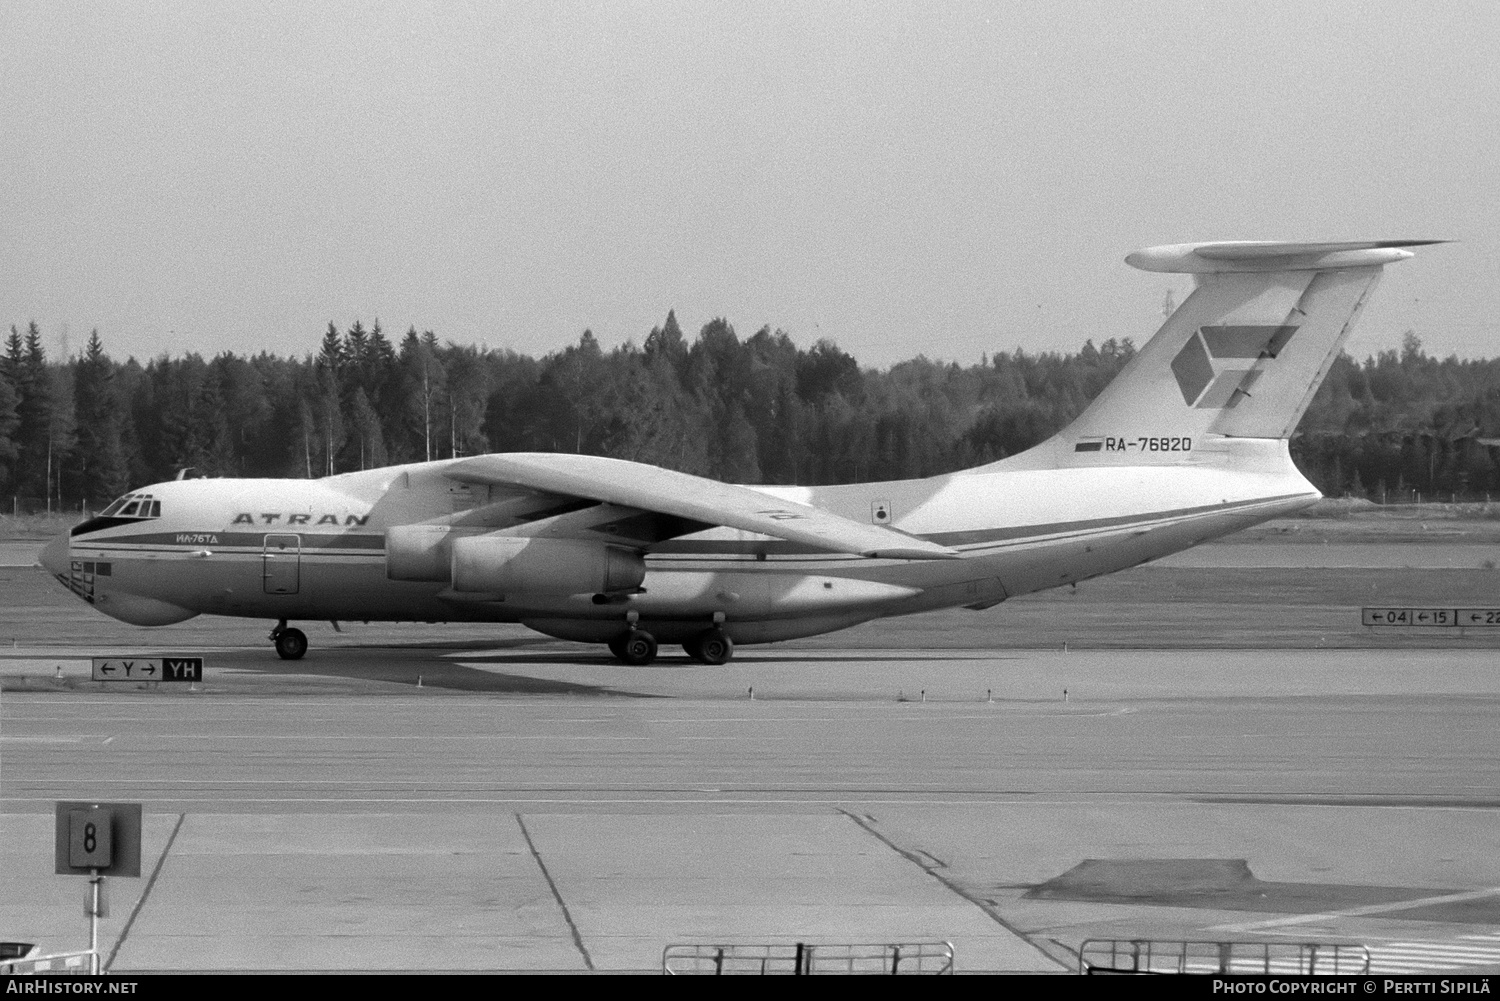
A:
(54, 555)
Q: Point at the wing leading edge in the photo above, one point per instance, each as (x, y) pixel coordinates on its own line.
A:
(653, 489)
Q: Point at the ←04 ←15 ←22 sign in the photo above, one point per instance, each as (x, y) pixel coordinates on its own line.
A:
(1420, 617)
(148, 669)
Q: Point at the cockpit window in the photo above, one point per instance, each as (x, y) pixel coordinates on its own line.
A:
(128, 509)
(133, 506)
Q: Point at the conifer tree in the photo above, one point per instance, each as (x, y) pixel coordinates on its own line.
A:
(366, 431)
(8, 424)
(331, 353)
(62, 435)
(667, 343)
(101, 460)
(424, 385)
(10, 420)
(15, 357)
(34, 410)
(380, 376)
(328, 404)
(356, 343)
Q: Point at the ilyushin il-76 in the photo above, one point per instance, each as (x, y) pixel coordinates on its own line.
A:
(1188, 443)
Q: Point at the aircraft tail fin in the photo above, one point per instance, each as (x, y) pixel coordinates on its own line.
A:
(1240, 358)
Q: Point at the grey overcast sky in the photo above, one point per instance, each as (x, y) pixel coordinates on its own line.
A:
(928, 178)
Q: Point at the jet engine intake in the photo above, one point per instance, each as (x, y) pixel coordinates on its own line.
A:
(504, 564)
(420, 552)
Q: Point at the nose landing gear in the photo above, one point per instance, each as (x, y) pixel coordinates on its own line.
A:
(291, 643)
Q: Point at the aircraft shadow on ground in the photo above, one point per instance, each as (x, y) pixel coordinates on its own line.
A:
(439, 646)
(563, 658)
(448, 667)
(381, 664)
(1229, 885)
(813, 657)
(668, 661)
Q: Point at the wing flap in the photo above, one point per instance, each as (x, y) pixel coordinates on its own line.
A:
(682, 495)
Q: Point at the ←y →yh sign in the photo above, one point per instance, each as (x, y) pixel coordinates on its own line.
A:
(148, 669)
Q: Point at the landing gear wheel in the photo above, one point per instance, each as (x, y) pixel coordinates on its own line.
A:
(617, 646)
(636, 648)
(291, 644)
(711, 646)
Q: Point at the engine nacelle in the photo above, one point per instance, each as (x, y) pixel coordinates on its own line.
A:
(421, 552)
(504, 564)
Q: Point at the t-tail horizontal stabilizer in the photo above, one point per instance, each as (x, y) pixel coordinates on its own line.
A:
(1256, 256)
(1240, 358)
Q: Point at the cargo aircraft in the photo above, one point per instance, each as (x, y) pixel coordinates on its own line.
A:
(1188, 443)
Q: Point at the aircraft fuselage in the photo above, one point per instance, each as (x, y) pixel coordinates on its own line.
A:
(317, 549)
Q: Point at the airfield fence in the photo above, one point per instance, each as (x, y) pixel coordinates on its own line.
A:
(1243, 957)
(808, 959)
(21, 507)
(80, 963)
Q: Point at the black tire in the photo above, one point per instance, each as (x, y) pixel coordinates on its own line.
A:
(617, 646)
(637, 648)
(711, 646)
(291, 644)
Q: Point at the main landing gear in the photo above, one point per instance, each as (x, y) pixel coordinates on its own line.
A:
(711, 646)
(291, 643)
(636, 647)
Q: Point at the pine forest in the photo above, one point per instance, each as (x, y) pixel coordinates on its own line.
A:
(77, 431)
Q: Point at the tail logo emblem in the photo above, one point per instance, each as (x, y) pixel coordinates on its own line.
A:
(1217, 366)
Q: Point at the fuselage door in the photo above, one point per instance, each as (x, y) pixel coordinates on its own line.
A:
(281, 563)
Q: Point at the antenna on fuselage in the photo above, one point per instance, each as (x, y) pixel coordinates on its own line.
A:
(182, 473)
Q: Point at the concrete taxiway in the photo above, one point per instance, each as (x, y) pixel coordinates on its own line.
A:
(534, 806)
(549, 813)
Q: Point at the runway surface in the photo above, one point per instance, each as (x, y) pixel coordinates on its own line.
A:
(555, 822)
(534, 806)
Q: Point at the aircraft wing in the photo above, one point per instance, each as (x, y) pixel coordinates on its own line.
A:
(653, 489)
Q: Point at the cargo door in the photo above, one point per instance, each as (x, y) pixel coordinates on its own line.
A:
(281, 564)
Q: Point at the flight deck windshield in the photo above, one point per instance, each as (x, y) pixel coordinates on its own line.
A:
(128, 509)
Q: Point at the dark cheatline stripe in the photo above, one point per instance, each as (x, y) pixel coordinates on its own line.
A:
(374, 545)
(977, 537)
(254, 540)
(1061, 527)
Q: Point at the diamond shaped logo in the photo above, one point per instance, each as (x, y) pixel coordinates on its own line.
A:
(1216, 367)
